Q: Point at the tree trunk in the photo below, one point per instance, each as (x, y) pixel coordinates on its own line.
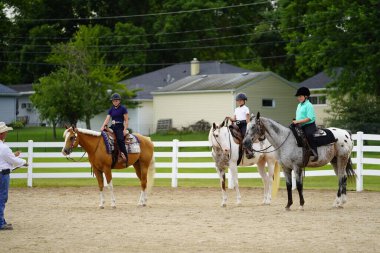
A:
(54, 130)
(88, 124)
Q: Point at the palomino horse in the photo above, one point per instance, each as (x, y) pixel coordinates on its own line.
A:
(92, 142)
(290, 155)
(226, 154)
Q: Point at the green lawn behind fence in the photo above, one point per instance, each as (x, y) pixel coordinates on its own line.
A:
(45, 134)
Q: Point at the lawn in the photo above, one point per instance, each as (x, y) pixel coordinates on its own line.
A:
(45, 134)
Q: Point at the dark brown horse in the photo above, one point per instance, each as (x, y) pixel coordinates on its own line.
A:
(92, 142)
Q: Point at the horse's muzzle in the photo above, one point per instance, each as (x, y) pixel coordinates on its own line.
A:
(247, 142)
(66, 151)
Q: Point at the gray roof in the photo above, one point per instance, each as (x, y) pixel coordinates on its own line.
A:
(319, 81)
(155, 80)
(216, 82)
(22, 87)
(5, 90)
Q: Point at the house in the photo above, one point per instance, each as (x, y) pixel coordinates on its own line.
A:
(141, 119)
(211, 97)
(26, 112)
(317, 85)
(8, 104)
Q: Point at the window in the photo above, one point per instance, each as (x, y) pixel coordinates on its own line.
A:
(318, 100)
(268, 102)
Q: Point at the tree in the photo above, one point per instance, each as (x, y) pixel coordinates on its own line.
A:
(58, 97)
(82, 76)
(338, 35)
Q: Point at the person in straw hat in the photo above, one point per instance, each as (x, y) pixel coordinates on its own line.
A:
(8, 162)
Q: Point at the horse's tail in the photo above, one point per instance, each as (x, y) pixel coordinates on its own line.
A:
(350, 170)
(276, 179)
(151, 172)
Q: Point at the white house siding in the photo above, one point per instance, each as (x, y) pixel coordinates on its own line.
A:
(28, 111)
(187, 108)
(274, 88)
(321, 114)
(140, 119)
(8, 109)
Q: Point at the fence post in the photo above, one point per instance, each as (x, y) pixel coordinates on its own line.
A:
(30, 164)
(175, 163)
(359, 164)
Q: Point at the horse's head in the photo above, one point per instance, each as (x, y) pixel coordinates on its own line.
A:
(220, 138)
(71, 140)
(255, 131)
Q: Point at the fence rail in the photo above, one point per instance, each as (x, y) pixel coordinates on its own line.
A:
(175, 154)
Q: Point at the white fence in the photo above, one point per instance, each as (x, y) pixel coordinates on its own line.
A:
(175, 154)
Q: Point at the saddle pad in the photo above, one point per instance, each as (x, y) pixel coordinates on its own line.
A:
(324, 139)
(133, 144)
(109, 142)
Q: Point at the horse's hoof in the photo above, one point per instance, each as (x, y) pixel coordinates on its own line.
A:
(287, 208)
(223, 205)
(301, 208)
(113, 207)
(101, 207)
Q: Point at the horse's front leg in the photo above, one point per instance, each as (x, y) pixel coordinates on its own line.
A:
(99, 178)
(222, 178)
(299, 184)
(108, 175)
(266, 181)
(288, 178)
(234, 178)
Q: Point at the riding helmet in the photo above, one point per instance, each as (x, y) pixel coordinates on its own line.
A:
(303, 91)
(241, 96)
(115, 96)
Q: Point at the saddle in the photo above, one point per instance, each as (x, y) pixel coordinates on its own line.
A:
(132, 145)
(238, 139)
(322, 137)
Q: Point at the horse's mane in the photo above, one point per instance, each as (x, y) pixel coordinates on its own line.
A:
(84, 131)
(88, 131)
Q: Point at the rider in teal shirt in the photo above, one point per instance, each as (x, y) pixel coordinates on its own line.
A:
(305, 110)
(305, 116)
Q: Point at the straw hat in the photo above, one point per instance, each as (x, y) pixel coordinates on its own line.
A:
(4, 128)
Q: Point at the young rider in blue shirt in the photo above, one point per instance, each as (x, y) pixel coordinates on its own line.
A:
(305, 116)
(119, 115)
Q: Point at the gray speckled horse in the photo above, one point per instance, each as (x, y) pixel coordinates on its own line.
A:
(290, 156)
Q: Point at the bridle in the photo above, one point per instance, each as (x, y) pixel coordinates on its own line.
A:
(216, 138)
(74, 143)
(260, 129)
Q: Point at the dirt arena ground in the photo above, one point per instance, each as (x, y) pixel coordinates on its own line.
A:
(187, 220)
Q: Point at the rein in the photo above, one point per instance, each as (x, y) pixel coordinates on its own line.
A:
(267, 152)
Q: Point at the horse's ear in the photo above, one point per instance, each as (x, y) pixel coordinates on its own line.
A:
(73, 126)
(213, 126)
(66, 126)
(258, 115)
(222, 125)
(252, 116)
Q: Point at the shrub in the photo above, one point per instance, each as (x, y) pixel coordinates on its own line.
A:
(17, 124)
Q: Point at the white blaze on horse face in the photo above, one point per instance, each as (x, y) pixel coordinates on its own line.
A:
(222, 139)
(66, 136)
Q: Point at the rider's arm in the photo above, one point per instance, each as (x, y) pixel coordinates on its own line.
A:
(106, 121)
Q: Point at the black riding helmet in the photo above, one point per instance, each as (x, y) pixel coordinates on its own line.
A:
(115, 96)
(241, 96)
(303, 91)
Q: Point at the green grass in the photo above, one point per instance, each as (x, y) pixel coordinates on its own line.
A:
(44, 134)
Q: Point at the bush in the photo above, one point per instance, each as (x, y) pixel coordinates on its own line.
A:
(17, 124)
